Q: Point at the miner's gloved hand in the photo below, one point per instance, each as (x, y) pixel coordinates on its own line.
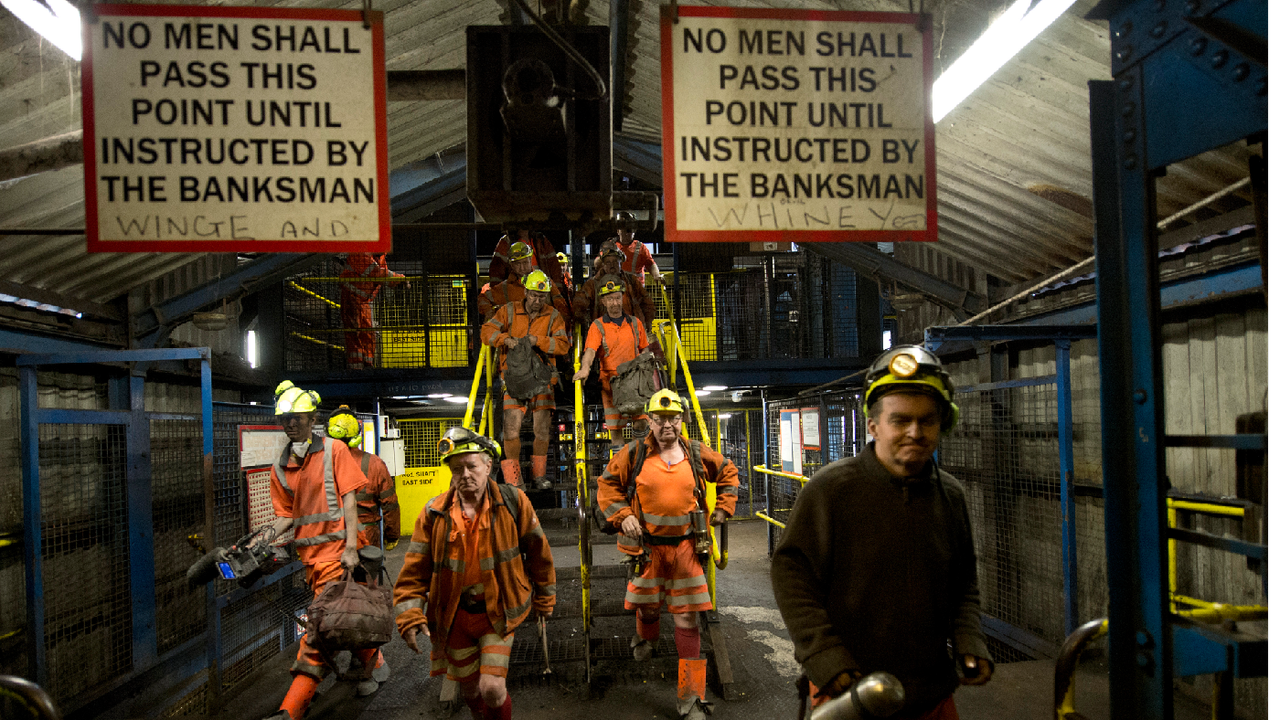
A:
(411, 639)
(719, 517)
(977, 671)
(631, 527)
(510, 342)
(581, 374)
(839, 684)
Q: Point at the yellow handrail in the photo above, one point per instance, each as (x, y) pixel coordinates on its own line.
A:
(300, 336)
(361, 279)
(760, 514)
(779, 473)
(318, 296)
(1208, 508)
(475, 386)
(1202, 609)
(580, 476)
(677, 360)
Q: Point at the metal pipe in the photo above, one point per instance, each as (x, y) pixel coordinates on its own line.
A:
(1064, 670)
(768, 519)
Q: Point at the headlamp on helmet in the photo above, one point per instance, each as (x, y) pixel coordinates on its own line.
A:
(344, 425)
(562, 258)
(537, 281)
(610, 287)
(459, 441)
(610, 248)
(293, 399)
(911, 368)
(521, 251)
(626, 221)
(665, 402)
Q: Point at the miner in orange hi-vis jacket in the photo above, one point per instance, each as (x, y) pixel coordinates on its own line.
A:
(614, 338)
(377, 507)
(313, 490)
(362, 280)
(544, 327)
(477, 565)
(654, 492)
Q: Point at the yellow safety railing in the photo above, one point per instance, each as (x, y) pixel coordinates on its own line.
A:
(481, 363)
(584, 494)
(790, 476)
(293, 284)
(1203, 609)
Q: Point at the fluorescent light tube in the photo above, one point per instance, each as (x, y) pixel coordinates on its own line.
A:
(58, 22)
(1007, 35)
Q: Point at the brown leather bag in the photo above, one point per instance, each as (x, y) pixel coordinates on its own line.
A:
(347, 615)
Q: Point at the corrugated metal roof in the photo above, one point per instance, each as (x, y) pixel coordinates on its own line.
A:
(1025, 128)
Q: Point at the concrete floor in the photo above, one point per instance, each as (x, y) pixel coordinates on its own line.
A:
(763, 668)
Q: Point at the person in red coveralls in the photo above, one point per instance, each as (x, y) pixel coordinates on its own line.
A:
(362, 280)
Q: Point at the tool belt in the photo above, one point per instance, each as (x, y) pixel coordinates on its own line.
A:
(666, 539)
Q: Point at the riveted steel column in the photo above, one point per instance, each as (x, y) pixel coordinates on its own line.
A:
(1066, 489)
(32, 538)
(1132, 402)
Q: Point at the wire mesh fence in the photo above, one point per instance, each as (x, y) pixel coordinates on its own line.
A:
(88, 610)
(177, 496)
(335, 322)
(1004, 450)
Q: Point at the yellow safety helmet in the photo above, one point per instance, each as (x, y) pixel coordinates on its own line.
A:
(611, 286)
(626, 221)
(610, 248)
(293, 399)
(344, 425)
(459, 440)
(665, 402)
(911, 368)
(520, 251)
(562, 257)
(537, 280)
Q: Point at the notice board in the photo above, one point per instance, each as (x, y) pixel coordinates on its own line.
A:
(797, 125)
(260, 447)
(214, 129)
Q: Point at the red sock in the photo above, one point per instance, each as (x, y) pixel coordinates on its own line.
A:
(688, 643)
(299, 696)
(502, 712)
(367, 655)
(647, 629)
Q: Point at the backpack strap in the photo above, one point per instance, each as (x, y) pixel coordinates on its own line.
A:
(364, 465)
(635, 331)
(603, 344)
(512, 501)
(635, 450)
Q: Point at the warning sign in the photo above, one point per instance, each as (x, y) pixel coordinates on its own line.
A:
(797, 124)
(235, 129)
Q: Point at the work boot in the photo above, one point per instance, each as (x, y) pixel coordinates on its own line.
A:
(692, 708)
(511, 473)
(381, 673)
(540, 479)
(641, 649)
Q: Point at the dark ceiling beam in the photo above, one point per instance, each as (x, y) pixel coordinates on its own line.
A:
(619, 22)
(51, 297)
(873, 263)
(251, 277)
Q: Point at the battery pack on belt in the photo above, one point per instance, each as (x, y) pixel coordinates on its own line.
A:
(665, 539)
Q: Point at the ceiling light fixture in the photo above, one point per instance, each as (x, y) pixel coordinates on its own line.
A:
(715, 388)
(1003, 39)
(702, 393)
(439, 396)
(456, 399)
(57, 20)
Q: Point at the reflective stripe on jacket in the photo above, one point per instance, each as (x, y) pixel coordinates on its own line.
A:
(378, 498)
(547, 330)
(435, 565)
(365, 265)
(618, 501)
(311, 493)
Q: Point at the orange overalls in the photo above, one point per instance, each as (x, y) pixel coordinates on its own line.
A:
(311, 493)
(615, 344)
(635, 258)
(357, 299)
(587, 305)
(547, 331)
(377, 501)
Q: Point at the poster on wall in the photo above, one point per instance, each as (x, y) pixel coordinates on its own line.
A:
(810, 427)
(783, 125)
(215, 129)
(789, 442)
(260, 447)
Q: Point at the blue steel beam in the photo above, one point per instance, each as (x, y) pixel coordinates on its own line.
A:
(749, 373)
(245, 280)
(33, 536)
(142, 556)
(1066, 486)
(96, 356)
(938, 334)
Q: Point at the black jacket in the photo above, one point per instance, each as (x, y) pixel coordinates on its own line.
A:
(878, 573)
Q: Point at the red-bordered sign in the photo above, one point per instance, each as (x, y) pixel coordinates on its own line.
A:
(797, 126)
(235, 129)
